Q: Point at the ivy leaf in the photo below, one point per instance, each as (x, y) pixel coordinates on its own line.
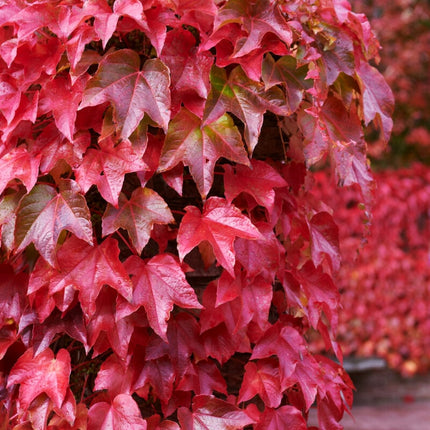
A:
(285, 71)
(160, 283)
(219, 224)
(137, 215)
(41, 374)
(324, 239)
(296, 364)
(70, 95)
(203, 378)
(259, 180)
(210, 413)
(378, 100)
(19, 164)
(261, 256)
(43, 214)
(189, 70)
(85, 268)
(131, 91)
(200, 146)
(105, 329)
(121, 414)
(257, 18)
(285, 417)
(262, 378)
(246, 99)
(106, 167)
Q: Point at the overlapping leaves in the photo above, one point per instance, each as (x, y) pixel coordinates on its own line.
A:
(145, 149)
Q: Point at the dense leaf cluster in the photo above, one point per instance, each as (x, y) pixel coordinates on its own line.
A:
(147, 147)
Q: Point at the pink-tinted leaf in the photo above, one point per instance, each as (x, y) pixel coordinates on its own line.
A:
(106, 167)
(160, 283)
(203, 378)
(131, 91)
(285, 417)
(377, 97)
(262, 378)
(19, 164)
(324, 239)
(105, 325)
(189, 69)
(200, 146)
(261, 256)
(41, 374)
(122, 414)
(296, 364)
(219, 224)
(43, 214)
(70, 95)
(210, 413)
(257, 19)
(86, 269)
(137, 215)
(259, 180)
(160, 375)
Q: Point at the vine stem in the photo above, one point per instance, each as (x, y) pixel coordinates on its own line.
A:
(133, 251)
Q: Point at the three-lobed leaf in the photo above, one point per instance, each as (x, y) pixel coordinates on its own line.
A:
(199, 146)
(131, 91)
(43, 214)
(137, 215)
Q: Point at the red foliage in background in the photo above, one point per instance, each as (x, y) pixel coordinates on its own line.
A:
(147, 144)
(403, 29)
(385, 282)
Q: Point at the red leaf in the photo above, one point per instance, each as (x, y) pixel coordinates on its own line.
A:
(261, 256)
(104, 324)
(64, 112)
(285, 417)
(19, 164)
(219, 224)
(203, 377)
(160, 375)
(137, 215)
(86, 269)
(160, 283)
(257, 19)
(189, 70)
(200, 146)
(183, 336)
(106, 167)
(324, 239)
(259, 180)
(131, 91)
(122, 414)
(377, 97)
(262, 378)
(210, 413)
(41, 374)
(297, 365)
(43, 214)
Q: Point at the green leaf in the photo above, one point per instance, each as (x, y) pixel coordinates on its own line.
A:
(245, 98)
(285, 72)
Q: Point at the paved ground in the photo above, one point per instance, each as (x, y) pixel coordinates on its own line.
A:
(385, 401)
